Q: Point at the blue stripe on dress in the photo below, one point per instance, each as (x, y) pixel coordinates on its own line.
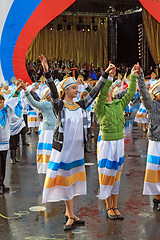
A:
(44, 146)
(142, 110)
(32, 113)
(105, 163)
(65, 166)
(153, 159)
(4, 143)
(99, 138)
(39, 132)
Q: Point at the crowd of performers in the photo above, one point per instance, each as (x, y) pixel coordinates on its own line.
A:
(61, 113)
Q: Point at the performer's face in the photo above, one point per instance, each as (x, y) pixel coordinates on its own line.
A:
(72, 91)
(158, 97)
(1, 104)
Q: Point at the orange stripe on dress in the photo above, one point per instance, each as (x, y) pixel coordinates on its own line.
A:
(64, 181)
(109, 180)
(152, 176)
(43, 158)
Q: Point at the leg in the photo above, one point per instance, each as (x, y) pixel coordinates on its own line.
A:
(13, 148)
(116, 211)
(25, 119)
(69, 208)
(144, 127)
(109, 206)
(36, 129)
(23, 136)
(3, 155)
(29, 130)
(69, 211)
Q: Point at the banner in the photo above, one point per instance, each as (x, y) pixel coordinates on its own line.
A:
(153, 7)
(20, 22)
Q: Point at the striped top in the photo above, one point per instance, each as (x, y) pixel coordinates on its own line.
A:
(59, 108)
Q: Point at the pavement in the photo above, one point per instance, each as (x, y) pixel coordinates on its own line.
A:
(142, 219)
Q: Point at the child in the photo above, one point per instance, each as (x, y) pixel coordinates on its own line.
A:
(6, 113)
(152, 174)
(111, 143)
(66, 177)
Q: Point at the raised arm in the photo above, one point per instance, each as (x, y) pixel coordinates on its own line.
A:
(101, 99)
(144, 94)
(130, 92)
(94, 92)
(86, 86)
(131, 87)
(51, 84)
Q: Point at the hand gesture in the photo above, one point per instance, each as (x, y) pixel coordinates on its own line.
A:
(136, 69)
(44, 63)
(20, 87)
(80, 81)
(112, 72)
(110, 67)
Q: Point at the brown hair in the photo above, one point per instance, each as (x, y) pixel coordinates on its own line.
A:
(61, 94)
(2, 98)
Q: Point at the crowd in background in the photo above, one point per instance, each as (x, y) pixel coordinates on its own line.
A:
(61, 67)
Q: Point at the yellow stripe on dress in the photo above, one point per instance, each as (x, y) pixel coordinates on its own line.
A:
(109, 180)
(141, 116)
(152, 176)
(32, 119)
(43, 158)
(64, 181)
(70, 107)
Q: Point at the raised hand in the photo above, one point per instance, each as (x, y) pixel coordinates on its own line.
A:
(44, 62)
(110, 67)
(20, 87)
(80, 81)
(112, 72)
(136, 69)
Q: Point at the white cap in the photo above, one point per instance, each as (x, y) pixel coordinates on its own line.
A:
(68, 82)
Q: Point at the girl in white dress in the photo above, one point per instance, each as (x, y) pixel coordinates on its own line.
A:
(66, 175)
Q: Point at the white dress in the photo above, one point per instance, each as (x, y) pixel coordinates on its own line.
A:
(66, 175)
(141, 116)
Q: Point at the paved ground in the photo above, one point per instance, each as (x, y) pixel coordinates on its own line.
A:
(141, 222)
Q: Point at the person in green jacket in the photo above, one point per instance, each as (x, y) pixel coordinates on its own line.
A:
(110, 145)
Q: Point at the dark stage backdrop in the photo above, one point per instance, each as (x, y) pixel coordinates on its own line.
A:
(127, 39)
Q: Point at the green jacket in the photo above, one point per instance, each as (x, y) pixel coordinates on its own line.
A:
(110, 115)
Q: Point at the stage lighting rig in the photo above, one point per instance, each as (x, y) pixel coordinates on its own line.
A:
(93, 20)
(102, 20)
(60, 27)
(88, 28)
(95, 28)
(51, 26)
(69, 27)
(64, 19)
(79, 27)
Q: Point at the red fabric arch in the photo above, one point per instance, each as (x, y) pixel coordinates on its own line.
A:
(153, 7)
(44, 13)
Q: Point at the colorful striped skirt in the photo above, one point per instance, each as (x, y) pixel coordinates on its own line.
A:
(32, 119)
(141, 116)
(110, 164)
(152, 174)
(44, 150)
(65, 176)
